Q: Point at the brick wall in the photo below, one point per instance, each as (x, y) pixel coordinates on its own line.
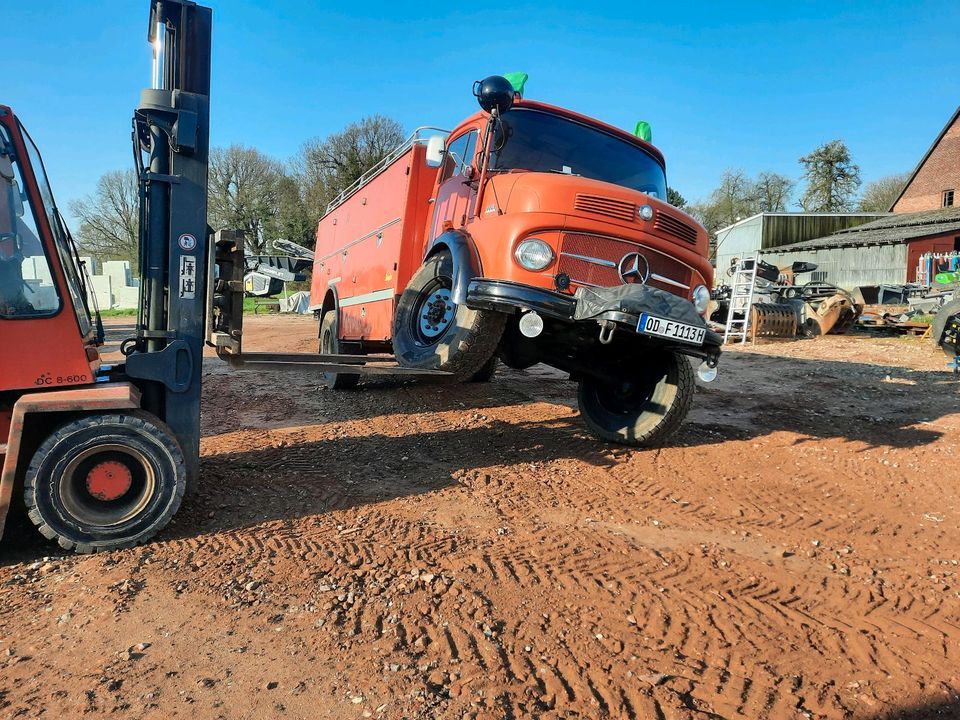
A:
(940, 172)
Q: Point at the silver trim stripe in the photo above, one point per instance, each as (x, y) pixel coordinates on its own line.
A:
(587, 258)
(385, 294)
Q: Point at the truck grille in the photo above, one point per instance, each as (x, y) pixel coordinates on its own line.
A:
(671, 226)
(599, 205)
(592, 260)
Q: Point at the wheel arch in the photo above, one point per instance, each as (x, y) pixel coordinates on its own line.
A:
(466, 260)
(35, 413)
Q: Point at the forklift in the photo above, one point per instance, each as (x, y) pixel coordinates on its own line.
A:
(102, 454)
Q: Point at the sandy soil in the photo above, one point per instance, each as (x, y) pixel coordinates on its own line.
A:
(426, 551)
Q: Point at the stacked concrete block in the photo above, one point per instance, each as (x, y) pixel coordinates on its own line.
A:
(119, 273)
(101, 286)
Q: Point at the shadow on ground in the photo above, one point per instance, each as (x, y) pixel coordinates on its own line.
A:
(932, 711)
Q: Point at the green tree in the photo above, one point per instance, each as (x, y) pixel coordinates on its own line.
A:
(676, 199)
(832, 178)
(880, 195)
(109, 219)
(326, 167)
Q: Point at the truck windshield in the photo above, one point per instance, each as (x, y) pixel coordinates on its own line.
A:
(65, 249)
(539, 141)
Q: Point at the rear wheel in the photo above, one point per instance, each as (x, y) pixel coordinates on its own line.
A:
(105, 481)
(641, 410)
(433, 332)
(330, 345)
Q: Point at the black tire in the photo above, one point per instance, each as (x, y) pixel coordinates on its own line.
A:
(644, 410)
(74, 486)
(940, 323)
(486, 373)
(430, 331)
(330, 345)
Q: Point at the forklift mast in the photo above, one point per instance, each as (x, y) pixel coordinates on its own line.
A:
(171, 137)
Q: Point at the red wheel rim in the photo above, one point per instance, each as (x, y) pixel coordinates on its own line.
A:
(109, 480)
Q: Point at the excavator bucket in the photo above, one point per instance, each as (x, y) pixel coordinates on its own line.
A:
(834, 316)
(772, 320)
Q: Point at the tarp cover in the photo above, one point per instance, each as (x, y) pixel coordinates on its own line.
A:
(298, 303)
(635, 300)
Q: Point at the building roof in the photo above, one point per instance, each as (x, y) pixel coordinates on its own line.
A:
(887, 230)
(799, 214)
(926, 155)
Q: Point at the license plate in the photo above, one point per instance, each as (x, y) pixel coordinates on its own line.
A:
(661, 327)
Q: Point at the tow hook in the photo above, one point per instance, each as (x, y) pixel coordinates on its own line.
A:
(606, 331)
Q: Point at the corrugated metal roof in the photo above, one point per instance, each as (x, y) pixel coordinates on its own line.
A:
(888, 230)
(800, 214)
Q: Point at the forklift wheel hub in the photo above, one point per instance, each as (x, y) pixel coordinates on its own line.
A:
(109, 480)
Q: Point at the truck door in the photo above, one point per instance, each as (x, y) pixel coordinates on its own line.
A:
(455, 194)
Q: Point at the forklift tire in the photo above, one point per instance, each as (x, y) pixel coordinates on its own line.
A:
(104, 482)
(940, 323)
(330, 345)
(430, 331)
(644, 410)
(486, 373)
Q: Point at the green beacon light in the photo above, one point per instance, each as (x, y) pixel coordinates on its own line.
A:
(643, 131)
(518, 80)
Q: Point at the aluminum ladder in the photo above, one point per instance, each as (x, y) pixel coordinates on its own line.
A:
(741, 299)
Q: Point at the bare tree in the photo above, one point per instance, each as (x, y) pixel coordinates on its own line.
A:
(832, 178)
(734, 199)
(243, 193)
(109, 218)
(772, 191)
(880, 195)
(326, 167)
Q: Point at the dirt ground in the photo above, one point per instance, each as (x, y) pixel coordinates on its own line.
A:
(430, 551)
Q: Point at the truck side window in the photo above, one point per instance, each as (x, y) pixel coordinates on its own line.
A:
(26, 279)
(459, 155)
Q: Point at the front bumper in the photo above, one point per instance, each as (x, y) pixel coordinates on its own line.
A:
(621, 306)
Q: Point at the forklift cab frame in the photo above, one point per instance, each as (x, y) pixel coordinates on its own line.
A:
(49, 333)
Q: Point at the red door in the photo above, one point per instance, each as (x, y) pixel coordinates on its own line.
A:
(455, 194)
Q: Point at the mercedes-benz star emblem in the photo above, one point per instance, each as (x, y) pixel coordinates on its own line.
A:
(633, 269)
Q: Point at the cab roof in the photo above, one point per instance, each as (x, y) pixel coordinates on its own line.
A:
(577, 117)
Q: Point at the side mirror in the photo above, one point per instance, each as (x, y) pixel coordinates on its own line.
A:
(435, 151)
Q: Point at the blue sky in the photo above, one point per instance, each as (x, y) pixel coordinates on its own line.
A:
(751, 85)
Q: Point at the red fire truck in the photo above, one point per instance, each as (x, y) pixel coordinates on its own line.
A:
(530, 233)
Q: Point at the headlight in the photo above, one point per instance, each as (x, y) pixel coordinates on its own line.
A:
(645, 212)
(533, 254)
(701, 298)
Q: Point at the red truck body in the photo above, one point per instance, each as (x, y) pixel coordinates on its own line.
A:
(531, 233)
(369, 246)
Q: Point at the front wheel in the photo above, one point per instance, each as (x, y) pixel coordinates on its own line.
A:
(432, 332)
(104, 482)
(643, 409)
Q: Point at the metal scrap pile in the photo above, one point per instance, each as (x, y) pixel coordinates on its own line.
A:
(783, 308)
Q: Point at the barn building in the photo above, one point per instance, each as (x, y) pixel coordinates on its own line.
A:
(770, 230)
(936, 180)
(883, 252)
